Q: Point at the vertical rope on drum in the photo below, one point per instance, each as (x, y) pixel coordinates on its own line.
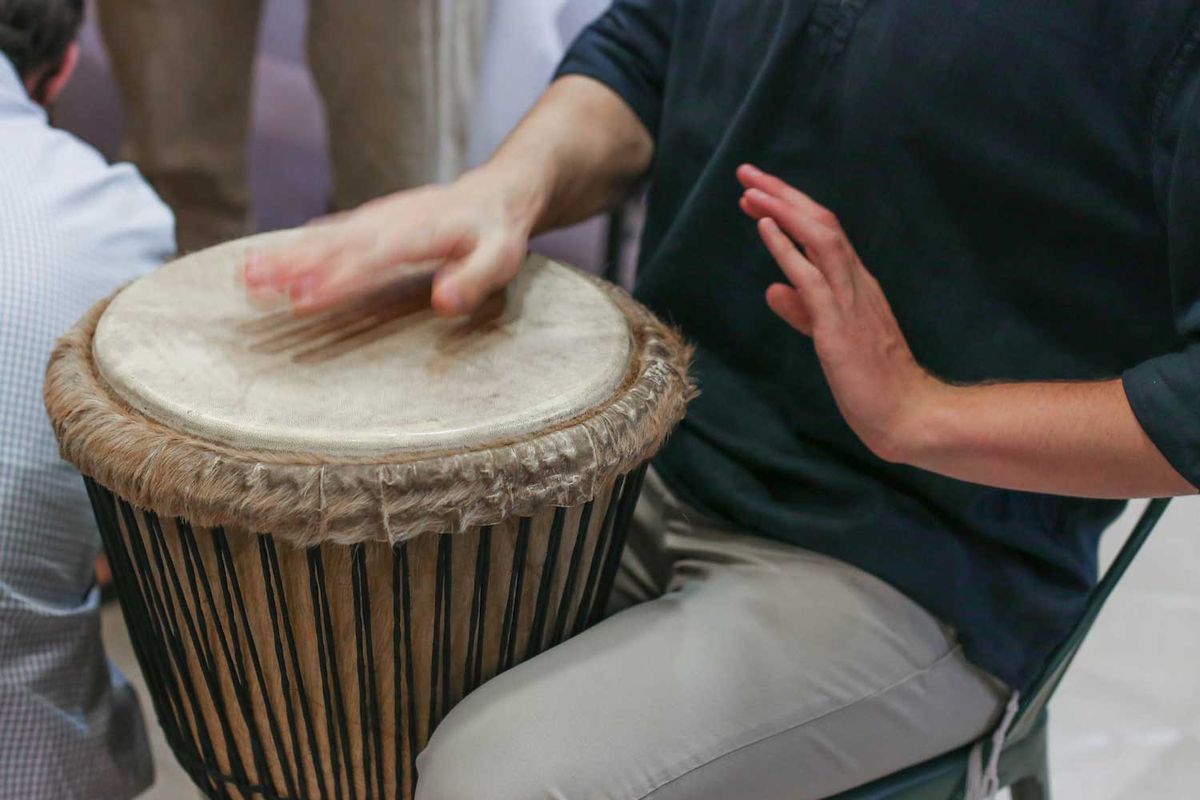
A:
(331, 683)
(273, 722)
(231, 591)
(475, 635)
(198, 639)
(368, 696)
(397, 683)
(541, 608)
(564, 605)
(178, 661)
(133, 601)
(197, 633)
(159, 628)
(512, 606)
(439, 667)
(280, 621)
(629, 498)
(204, 656)
(294, 654)
(155, 664)
(197, 575)
(402, 643)
(587, 598)
(445, 573)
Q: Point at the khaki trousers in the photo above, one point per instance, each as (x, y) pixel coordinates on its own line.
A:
(395, 76)
(744, 670)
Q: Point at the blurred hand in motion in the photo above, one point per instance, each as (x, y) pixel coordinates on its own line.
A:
(472, 234)
(832, 298)
(576, 153)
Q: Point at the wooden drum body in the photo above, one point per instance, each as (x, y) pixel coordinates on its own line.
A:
(260, 655)
(324, 534)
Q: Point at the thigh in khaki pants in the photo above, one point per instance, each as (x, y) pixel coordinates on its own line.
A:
(395, 77)
(764, 672)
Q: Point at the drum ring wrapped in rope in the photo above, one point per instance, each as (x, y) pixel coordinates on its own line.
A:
(366, 499)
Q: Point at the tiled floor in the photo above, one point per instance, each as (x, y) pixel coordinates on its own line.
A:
(1126, 722)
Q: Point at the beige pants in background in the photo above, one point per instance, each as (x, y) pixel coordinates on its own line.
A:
(744, 670)
(396, 78)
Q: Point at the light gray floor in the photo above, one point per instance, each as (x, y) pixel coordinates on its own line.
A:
(1126, 722)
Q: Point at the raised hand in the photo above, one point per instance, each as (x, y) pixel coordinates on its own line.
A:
(831, 297)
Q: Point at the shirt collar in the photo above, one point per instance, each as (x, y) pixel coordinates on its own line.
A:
(12, 88)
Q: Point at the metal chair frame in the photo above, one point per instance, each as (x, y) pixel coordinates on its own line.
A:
(1023, 763)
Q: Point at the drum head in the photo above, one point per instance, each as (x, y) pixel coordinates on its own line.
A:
(185, 347)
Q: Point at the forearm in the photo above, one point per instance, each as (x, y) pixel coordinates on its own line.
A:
(1079, 439)
(575, 154)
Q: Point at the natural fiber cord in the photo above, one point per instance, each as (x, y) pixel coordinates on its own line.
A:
(305, 498)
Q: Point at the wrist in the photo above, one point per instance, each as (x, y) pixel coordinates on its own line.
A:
(521, 191)
(926, 424)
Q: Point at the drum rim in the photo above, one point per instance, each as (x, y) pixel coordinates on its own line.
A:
(262, 419)
(388, 497)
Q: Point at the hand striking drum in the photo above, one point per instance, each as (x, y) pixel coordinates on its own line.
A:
(326, 531)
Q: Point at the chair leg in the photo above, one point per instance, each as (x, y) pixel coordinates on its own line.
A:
(1035, 783)
(1035, 788)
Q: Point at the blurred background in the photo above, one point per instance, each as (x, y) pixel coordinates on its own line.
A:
(290, 177)
(1125, 725)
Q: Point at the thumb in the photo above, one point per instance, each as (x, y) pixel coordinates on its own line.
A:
(789, 305)
(463, 284)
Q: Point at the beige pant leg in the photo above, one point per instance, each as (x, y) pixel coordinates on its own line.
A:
(184, 69)
(765, 673)
(396, 77)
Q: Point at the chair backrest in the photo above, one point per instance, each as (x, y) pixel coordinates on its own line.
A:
(1036, 698)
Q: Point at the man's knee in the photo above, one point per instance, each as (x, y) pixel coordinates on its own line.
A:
(476, 760)
(563, 724)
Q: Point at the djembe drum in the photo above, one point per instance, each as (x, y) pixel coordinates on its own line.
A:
(325, 532)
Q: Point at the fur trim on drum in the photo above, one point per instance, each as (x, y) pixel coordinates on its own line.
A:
(305, 499)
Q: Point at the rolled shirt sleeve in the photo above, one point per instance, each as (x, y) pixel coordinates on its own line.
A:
(628, 49)
(1164, 392)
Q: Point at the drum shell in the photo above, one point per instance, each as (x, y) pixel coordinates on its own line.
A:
(283, 672)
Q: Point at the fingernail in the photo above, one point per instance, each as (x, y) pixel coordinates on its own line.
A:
(449, 298)
(753, 170)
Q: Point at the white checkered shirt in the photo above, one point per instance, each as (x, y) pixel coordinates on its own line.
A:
(72, 229)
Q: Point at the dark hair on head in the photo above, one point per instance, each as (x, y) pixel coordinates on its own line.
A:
(35, 34)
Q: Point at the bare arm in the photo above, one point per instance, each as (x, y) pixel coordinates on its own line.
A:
(583, 147)
(575, 154)
(1079, 439)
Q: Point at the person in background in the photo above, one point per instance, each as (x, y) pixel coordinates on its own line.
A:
(72, 230)
(396, 78)
(940, 262)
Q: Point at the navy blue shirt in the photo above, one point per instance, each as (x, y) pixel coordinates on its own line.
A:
(1022, 177)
